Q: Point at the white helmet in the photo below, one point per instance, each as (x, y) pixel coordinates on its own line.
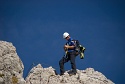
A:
(65, 35)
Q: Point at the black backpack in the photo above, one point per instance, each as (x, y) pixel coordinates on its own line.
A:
(78, 47)
(76, 42)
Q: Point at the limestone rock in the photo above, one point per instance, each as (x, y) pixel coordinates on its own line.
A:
(11, 67)
(40, 75)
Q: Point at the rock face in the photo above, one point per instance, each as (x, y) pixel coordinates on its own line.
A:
(40, 75)
(11, 71)
(11, 67)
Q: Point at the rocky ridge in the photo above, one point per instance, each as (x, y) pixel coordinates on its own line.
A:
(11, 71)
(11, 66)
(40, 75)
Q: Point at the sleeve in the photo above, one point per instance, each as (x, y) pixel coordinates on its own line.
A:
(66, 43)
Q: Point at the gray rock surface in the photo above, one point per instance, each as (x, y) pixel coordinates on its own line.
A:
(11, 71)
(40, 75)
(11, 67)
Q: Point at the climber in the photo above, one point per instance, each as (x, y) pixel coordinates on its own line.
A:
(69, 48)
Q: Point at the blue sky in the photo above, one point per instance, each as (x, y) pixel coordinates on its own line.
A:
(35, 28)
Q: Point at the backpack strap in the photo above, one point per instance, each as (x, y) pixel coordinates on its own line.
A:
(76, 42)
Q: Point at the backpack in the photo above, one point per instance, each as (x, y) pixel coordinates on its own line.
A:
(78, 48)
(76, 42)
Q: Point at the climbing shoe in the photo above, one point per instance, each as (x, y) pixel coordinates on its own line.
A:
(61, 74)
(73, 73)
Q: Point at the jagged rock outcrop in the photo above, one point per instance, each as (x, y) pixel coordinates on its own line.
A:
(11, 71)
(11, 67)
(40, 75)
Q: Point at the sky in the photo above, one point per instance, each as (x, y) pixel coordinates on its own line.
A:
(35, 27)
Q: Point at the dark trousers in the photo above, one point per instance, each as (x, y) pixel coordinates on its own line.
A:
(70, 56)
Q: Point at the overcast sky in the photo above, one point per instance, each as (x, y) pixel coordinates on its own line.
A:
(35, 28)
